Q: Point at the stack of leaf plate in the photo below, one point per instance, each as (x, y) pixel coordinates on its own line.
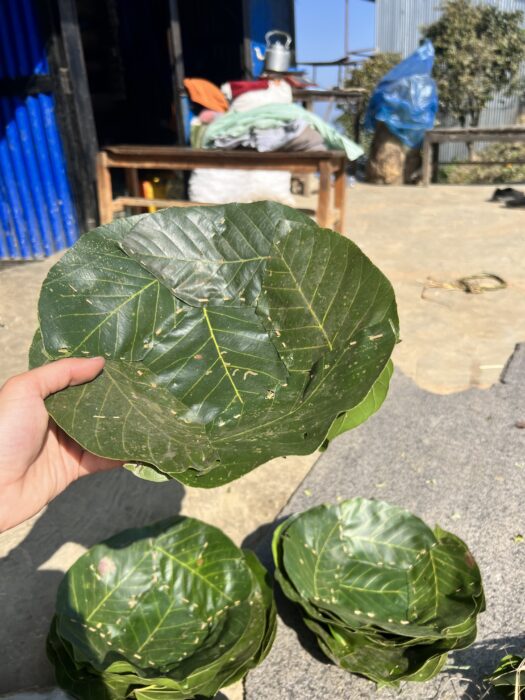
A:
(171, 611)
(232, 335)
(385, 595)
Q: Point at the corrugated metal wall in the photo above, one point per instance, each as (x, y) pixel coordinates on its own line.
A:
(37, 215)
(398, 24)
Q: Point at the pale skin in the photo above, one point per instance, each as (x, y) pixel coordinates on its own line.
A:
(37, 459)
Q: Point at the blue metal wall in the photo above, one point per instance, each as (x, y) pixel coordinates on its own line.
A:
(37, 215)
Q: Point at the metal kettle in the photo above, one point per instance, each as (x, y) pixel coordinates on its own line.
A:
(278, 55)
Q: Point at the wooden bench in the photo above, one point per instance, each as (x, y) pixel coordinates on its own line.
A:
(435, 137)
(135, 158)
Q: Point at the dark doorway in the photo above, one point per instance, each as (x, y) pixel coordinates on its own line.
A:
(129, 62)
(128, 65)
(212, 39)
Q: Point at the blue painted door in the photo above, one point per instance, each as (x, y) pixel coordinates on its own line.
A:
(264, 15)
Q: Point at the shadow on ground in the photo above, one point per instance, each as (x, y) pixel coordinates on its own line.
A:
(486, 654)
(457, 460)
(260, 541)
(89, 511)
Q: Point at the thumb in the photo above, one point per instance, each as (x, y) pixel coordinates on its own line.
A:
(57, 375)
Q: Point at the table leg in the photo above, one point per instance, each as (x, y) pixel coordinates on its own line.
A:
(426, 164)
(132, 182)
(104, 189)
(340, 196)
(435, 162)
(133, 186)
(307, 182)
(323, 202)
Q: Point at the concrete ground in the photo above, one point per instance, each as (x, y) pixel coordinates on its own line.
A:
(455, 460)
(451, 341)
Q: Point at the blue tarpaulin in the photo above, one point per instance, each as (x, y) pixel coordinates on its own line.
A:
(406, 98)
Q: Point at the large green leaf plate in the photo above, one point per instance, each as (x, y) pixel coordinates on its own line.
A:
(179, 579)
(386, 596)
(370, 561)
(233, 334)
(385, 666)
(348, 622)
(176, 605)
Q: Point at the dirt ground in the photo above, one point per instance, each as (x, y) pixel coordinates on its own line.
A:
(450, 341)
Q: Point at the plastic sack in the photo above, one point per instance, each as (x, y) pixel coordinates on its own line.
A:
(219, 186)
(406, 99)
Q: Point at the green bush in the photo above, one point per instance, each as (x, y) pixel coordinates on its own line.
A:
(488, 174)
(366, 76)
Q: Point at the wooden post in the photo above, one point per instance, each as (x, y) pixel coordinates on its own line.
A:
(323, 204)
(104, 189)
(132, 182)
(426, 157)
(357, 124)
(307, 177)
(177, 70)
(246, 43)
(435, 161)
(74, 106)
(340, 196)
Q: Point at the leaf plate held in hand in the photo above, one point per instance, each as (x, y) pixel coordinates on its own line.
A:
(233, 335)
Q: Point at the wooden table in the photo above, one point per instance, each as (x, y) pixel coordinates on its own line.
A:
(352, 101)
(134, 158)
(435, 137)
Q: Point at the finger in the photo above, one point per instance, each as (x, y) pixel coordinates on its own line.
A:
(57, 375)
(90, 464)
(84, 462)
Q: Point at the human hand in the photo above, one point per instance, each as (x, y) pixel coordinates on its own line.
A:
(37, 459)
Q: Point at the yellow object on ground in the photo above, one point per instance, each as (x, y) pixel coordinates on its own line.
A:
(147, 189)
